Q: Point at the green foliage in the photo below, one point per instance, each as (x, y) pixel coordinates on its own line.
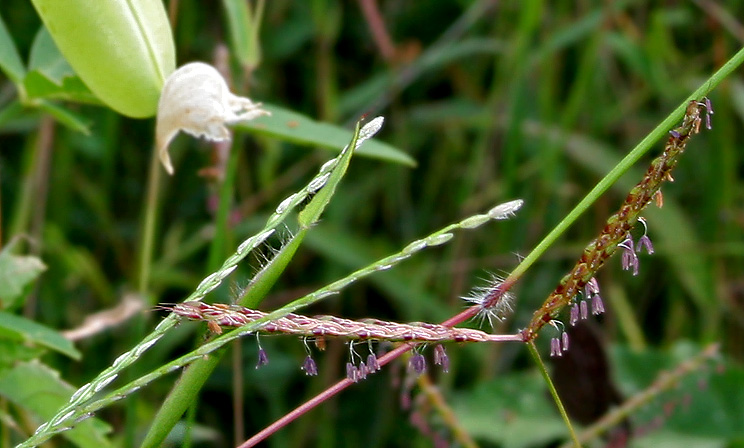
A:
(23, 331)
(17, 272)
(293, 127)
(513, 410)
(483, 104)
(38, 389)
(122, 49)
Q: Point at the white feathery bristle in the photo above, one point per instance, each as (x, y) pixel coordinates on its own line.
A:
(497, 311)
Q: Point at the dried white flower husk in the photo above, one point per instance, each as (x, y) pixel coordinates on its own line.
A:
(195, 99)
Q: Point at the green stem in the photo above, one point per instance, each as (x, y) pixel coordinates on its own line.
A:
(148, 225)
(184, 393)
(553, 392)
(223, 235)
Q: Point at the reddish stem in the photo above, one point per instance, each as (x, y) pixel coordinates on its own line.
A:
(377, 27)
(343, 384)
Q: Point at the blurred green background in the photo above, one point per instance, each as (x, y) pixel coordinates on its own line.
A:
(494, 101)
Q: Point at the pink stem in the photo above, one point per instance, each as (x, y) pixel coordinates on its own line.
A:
(341, 385)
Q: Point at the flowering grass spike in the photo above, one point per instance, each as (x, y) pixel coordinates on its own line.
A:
(616, 232)
(221, 315)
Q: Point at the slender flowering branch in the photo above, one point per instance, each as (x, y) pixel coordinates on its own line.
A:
(501, 288)
(221, 315)
(82, 398)
(616, 232)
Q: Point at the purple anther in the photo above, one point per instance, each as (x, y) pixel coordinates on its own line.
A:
(309, 366)
(597, 305)
(645, 243)
(441, 358)
(263, 358)
(417, 363)
(372, 363)
(574, 314)
(362, 371)
(555, 347)
(351, 372)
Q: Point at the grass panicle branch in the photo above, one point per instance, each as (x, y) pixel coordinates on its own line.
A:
(74, 409)
(322, 189)
(619, 224)
(437, 238)
(220, 315)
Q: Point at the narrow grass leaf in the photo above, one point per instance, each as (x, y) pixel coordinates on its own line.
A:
(10, 60)
(290, 126)
(35, 333)
(185, 391)
(310, 214)
(66, 117)
(244, 29)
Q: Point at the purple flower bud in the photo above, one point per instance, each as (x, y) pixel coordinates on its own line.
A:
(555, 347)
(584, 308)
(574, 314)
(351, 372)
(441, 358)
(592, 287)
(417, 363)
(309, 366)
(675, 134)
(564, 341)
(362, 370)
(263, 358)
(708, 112)
(597, 305)
(372, 363)
(630, 260)
(645, 243)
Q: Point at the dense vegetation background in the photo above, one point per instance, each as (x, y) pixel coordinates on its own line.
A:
(494, 101)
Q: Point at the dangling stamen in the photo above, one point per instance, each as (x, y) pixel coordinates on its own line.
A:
(309, 366)
(372, 363)
(574, 314)
(555, 347)
(417, 363)
(263, 358)
(441, 358)
(644, 242)
(351, 372)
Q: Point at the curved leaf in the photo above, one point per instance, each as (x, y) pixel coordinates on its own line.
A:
(122, 50)
(297, 128)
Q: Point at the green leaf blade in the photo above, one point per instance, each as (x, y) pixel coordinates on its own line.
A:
(16, 272)
(30, 331)
(10, 60)
(293, 127)
(39, 389)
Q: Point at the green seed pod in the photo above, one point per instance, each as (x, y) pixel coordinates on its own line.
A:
(122, 49)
